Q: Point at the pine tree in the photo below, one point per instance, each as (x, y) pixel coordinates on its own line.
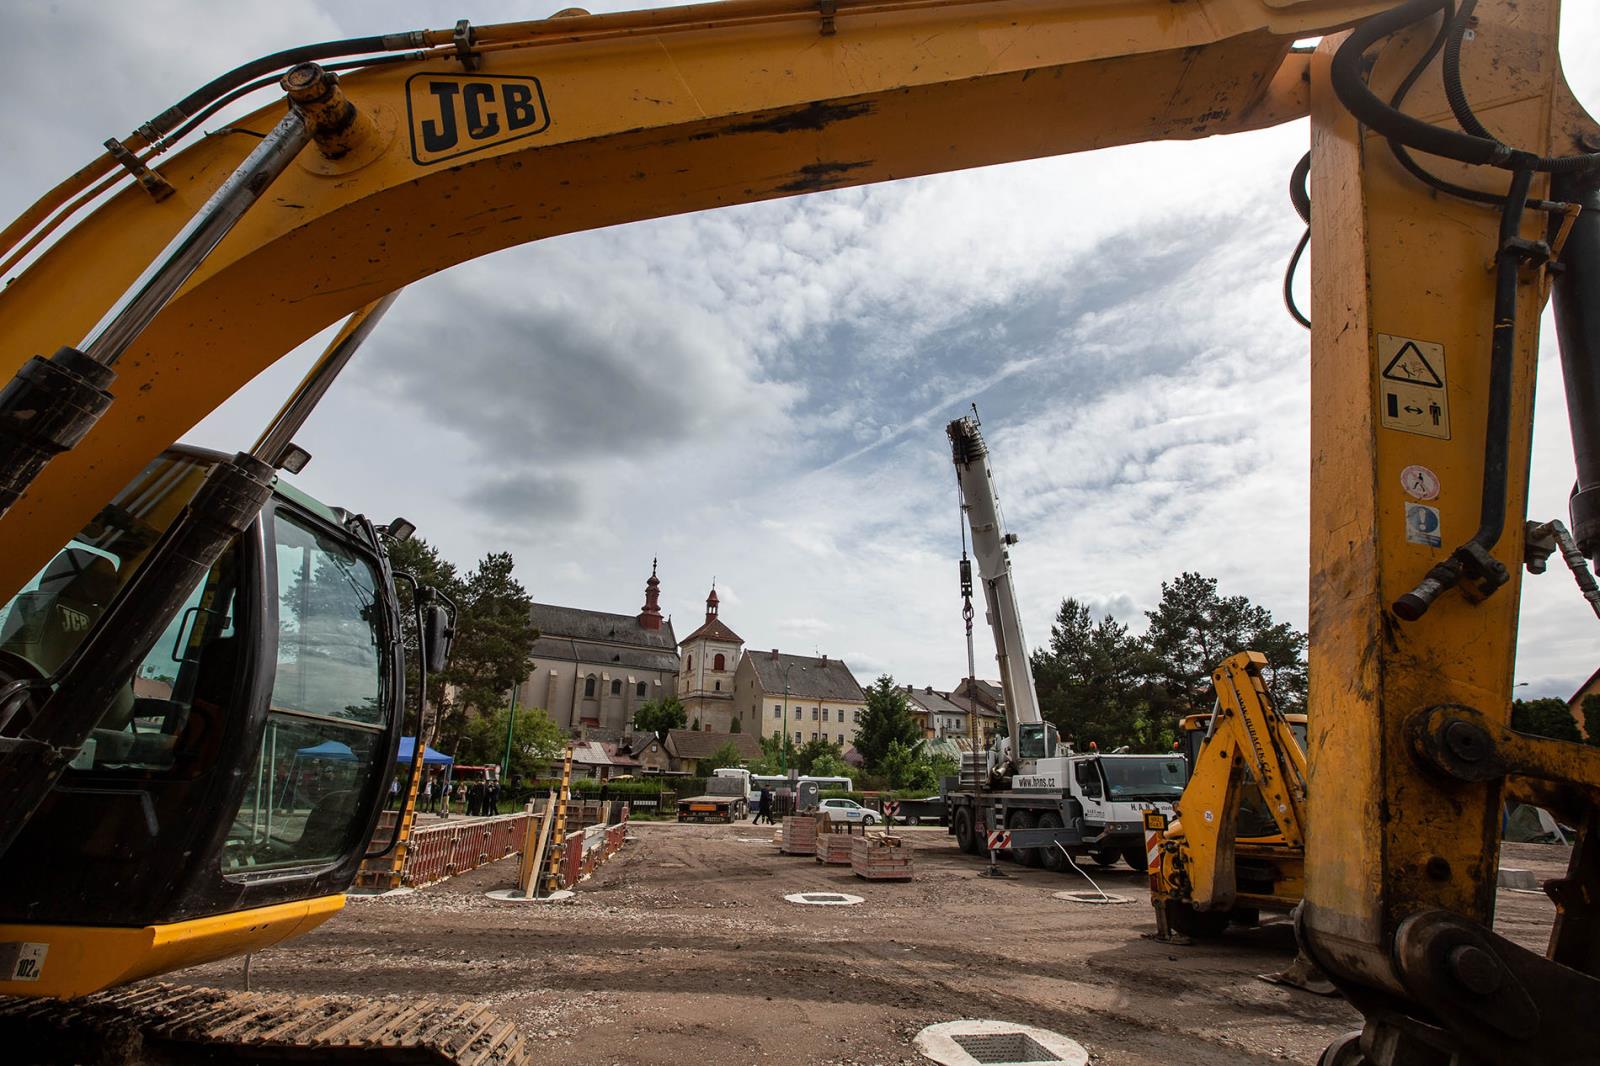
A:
(886, 721)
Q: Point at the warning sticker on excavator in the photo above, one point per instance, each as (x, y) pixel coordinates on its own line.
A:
(1414, 389)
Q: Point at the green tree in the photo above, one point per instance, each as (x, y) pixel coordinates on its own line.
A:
(493, 644)
(1193, 629)
(805, 758)
(1591, 719)
(660, 715)
(737, 726)
(886, 721)
(727, 755)
(830, 765)
(1548, 717)
(1092, 682)
(536, 741)
(777, 754)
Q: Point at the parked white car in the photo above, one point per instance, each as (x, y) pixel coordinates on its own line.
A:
(847, 810)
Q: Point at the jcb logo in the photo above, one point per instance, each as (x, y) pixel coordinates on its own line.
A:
(452, 115)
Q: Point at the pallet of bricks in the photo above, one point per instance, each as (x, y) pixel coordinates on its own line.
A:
(880, 858)
(799, 835)
(834, 841)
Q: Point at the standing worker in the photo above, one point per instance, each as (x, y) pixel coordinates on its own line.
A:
(764, 808)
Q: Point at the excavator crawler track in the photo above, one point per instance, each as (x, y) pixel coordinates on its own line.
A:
(158, 1024)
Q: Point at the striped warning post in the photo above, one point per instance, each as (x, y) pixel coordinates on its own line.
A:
(999, 839)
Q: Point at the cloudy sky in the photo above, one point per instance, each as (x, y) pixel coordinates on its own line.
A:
(759, 394)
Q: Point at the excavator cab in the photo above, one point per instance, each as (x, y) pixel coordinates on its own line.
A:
(237, 771)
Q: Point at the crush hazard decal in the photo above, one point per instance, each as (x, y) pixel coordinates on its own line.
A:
(452, 115)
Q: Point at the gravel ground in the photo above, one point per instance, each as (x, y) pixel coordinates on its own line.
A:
(682, 951)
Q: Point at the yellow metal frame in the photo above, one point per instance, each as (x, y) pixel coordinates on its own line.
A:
(80, 959)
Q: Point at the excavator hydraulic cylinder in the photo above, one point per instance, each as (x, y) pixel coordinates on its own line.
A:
(1577, 308)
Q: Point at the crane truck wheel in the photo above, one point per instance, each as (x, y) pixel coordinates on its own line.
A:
(966, 839)
(1050, 856)
(1025, 820)
(1135, 858)
(1106, 857)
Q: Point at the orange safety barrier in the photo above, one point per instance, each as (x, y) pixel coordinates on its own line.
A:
(440, 851)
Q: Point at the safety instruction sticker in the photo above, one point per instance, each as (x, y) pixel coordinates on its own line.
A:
(1414, 387)
(1422, 525)
(22, 961)
(1420, 483)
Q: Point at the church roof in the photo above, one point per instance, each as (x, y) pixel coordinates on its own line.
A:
(715, 629)
(823, 679)
(576, 635)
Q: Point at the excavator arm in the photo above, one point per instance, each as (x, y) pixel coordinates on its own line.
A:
(1447, 160)
(531, 130)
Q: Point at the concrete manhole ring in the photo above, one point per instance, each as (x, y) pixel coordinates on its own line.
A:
(512, 895)
(1101, 898)
(824, 899)
(971, 1043)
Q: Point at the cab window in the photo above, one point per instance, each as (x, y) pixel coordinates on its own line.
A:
(325, 724)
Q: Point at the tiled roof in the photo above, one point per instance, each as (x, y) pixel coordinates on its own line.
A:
(575, 623)
(714, 630)
(689, 744)
(937, 702)
(622, 656)
(808, 678)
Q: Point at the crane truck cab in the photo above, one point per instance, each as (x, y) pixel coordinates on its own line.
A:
(272, 697)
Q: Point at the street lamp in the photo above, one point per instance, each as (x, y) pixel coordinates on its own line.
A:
(783, 737)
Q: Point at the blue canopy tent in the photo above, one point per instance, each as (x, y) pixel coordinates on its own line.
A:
(408, 745)
(328, 749)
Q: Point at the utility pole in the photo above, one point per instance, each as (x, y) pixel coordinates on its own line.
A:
(511, 728)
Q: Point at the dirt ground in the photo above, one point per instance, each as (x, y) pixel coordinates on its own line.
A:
(682, 950)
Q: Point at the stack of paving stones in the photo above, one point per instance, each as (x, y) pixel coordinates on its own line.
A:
(834, 849)
(799, 835)
(880, 858)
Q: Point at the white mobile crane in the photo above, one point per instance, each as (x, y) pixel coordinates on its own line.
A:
(1037, 788)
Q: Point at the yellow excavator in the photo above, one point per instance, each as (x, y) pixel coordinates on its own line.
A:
(1454, 181)
(1236, 845)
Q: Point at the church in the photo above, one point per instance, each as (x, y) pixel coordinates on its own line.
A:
(592, 669)
(707, 659)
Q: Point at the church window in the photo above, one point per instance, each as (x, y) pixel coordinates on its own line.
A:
(588, 687)
(718, 685)
(641, 689)
(616, 687)
(690, 666)
(719, 663)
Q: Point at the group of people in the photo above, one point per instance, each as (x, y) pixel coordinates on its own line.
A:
(438, 795)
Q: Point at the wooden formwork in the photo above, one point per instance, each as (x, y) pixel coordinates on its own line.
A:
(880, 858)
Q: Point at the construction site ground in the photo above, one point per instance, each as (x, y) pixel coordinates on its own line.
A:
(682, 950)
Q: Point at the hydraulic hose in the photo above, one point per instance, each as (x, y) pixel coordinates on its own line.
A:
(152, 133)
(1479, 150)
(1473, 558)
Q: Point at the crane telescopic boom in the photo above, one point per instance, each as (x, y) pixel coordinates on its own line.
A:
(989, 542)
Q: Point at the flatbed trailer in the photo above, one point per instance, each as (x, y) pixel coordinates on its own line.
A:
(723, 801)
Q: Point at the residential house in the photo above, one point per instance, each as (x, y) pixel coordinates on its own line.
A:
(602, 760)
(592, 669)
(799, 696)
(691, 750)
(938, 715)
(989, 697)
